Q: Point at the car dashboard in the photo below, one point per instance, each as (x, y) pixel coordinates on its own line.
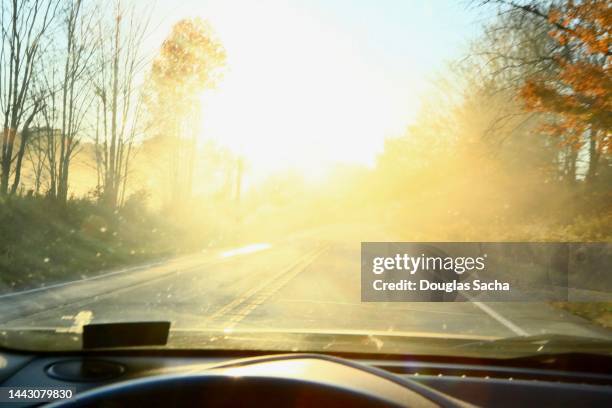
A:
(293, 380)
(179, 379)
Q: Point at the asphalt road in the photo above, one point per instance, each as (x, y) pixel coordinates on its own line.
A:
(302, 283)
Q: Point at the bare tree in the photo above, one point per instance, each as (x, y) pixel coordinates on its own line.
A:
(75, 92)
(119, 106)
(515, 47)
(24, 24)
(49, 119)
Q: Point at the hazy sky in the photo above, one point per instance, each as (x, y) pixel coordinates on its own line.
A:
(314, 82)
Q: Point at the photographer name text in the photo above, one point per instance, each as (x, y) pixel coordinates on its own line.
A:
(442, 271)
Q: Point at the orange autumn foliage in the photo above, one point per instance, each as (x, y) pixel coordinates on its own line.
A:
(189, 61)
(579, 93)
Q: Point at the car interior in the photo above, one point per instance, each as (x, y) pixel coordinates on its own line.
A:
(180, 379)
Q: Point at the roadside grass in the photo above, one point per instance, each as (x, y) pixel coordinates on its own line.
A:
(597, 312)
(43, 241)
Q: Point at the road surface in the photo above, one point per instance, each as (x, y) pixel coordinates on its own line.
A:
(302, 283)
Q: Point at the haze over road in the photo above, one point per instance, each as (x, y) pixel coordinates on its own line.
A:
(300, 284)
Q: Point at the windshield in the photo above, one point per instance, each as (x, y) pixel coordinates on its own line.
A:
(272, 175)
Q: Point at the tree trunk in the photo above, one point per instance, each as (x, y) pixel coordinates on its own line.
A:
(570, 158)
(25, 135)
(111, 183)
(594, 154)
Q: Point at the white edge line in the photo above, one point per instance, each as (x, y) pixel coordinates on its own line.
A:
(59, 285)
(116, 272)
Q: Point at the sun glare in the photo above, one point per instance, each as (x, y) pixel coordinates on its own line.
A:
(296, 86)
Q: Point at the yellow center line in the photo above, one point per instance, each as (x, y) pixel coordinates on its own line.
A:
(249, 300)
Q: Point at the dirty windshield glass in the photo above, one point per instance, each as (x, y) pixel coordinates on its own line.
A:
(386, 176)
